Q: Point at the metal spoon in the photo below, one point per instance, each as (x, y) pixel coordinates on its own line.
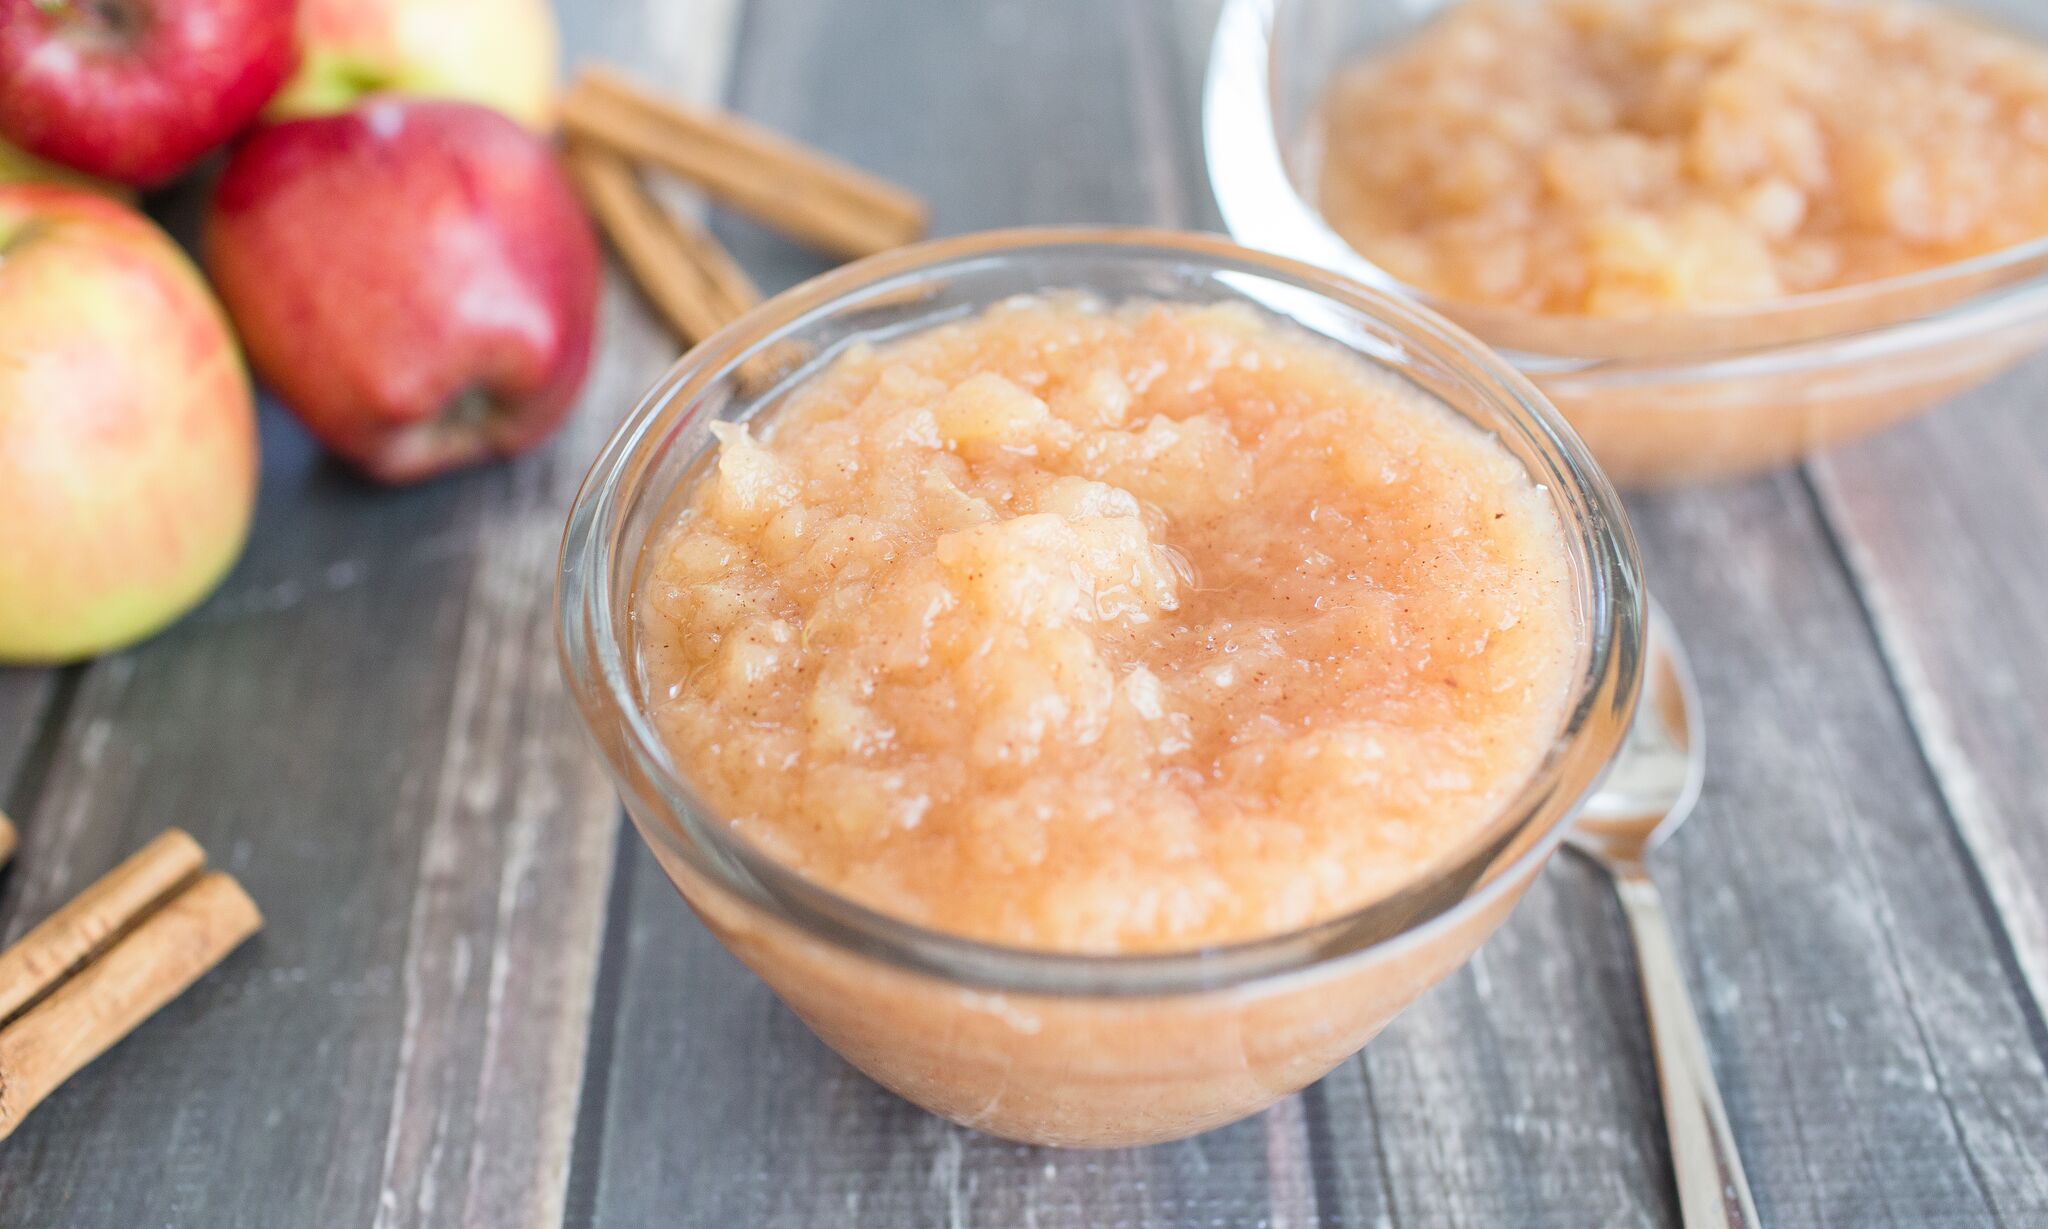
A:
(1649, 792)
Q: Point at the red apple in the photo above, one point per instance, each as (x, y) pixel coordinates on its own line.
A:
(498, 52)
(414, 278)
(127, 434)
(137, 90)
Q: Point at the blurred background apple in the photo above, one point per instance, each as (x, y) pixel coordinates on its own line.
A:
(20, 166)
(127, 433)
(414, 278)
(137, 90)
(501, 53)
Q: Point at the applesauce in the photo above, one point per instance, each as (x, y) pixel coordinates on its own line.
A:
(1071, 1047)
(1108, 628)
(1618, 158)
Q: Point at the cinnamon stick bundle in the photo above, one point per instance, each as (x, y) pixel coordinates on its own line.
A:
(107, 961)
(683, 270)
(617, 129)
(692, 281)
(68, 937)
(780, 182)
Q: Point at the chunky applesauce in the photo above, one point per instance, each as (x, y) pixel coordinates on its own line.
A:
(1108, 628)
(1641, 157)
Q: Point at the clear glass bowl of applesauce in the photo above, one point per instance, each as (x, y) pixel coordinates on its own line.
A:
(1660, 399)
(1042, 1045)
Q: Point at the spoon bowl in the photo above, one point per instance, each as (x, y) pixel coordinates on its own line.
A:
(1656, 780)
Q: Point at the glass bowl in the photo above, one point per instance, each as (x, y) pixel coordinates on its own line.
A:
(1042, 1046)
(1665, 400)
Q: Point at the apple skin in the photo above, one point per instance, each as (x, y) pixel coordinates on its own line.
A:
(414, 278)
(18, 166)
(137, 90)
(501, 53)
(128, 454)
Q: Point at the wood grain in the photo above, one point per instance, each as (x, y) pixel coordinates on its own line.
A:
(1945, 524)
(25, 698)
(1879, 1062)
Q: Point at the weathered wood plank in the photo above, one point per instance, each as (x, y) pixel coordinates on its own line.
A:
(25, 698)
(1519, 1093)
(1880, 1064)
(1945, 524)
(719, 1107)
(366, 726)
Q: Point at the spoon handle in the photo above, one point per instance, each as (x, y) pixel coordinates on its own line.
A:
(1713, 1192)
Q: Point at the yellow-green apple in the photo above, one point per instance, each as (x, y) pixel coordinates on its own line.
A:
(20, 166)
(137, 90)
(127, 434)
(501, 53)
(414, 278)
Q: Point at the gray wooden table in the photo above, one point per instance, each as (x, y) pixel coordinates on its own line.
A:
(478, 1002)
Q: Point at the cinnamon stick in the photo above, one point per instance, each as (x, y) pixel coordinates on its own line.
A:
(7, 838)
(734, 290)
(779, 182)
(769, 148)
(69, 937)
(686, 296)
(690, 278)
(145, 969)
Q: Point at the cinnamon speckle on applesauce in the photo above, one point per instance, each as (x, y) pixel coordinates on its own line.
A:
(1109, 628)
(1641, 157)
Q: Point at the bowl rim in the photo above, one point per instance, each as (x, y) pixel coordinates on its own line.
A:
(673, 819)
(1259, 200)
